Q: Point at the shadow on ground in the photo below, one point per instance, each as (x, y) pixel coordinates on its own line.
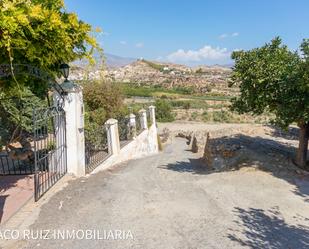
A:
(6, 183)
(291, 134)
(267, 229)
(261, 153)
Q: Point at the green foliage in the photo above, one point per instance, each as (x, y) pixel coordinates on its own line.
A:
(206, 116)
(194, 115)
(212, 96)
(42, 34)
(180, 103)
(133, 90)
(164, 111)
(16, 114)
(273, 78)
(222, 116)
(184, 90)
(103, 100)
(189, 104)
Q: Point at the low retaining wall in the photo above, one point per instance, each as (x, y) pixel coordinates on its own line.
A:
(144, 144)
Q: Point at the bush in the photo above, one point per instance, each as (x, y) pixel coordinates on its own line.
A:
(206, 116)
(132, 90)
(103, 95)
(16, 113)
(183, 90)
(103, 100)
(194, 115)
(187, 105)
(164, 111)
(222, 116)
(178, 103)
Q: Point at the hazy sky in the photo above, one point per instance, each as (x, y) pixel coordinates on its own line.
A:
(194, 31)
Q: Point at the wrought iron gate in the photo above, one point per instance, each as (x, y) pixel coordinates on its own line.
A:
(49, 148)
(96, 148)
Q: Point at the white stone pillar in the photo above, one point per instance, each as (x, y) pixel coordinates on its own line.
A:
(112, 136)
(75, 137)
(132, 124)
(143, 119)
(152, 114)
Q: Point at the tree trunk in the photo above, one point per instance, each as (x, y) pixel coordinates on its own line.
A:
(301, 158)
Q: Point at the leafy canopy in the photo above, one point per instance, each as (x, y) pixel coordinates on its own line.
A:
(43, 34)
(164, 111)
(273, 78)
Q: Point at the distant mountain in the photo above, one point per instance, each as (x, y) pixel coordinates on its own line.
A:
(117, 61)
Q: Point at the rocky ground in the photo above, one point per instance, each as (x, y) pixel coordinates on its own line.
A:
(231, 146)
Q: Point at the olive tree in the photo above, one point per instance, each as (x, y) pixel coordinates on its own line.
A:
(275, 79)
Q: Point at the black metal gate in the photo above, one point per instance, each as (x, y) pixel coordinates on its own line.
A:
(49, 148)
(96, 148)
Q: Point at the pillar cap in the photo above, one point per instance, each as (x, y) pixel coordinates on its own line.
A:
(152, 107)
(111, 121)
(142, 110)
(132, 115)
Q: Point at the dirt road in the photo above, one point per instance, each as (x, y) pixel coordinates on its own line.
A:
(169, 201)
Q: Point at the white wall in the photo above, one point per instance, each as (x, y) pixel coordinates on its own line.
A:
(144, 144)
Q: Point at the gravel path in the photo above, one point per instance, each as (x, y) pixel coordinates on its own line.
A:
(168, 201)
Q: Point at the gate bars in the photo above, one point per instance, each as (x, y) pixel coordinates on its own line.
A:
(49, 148)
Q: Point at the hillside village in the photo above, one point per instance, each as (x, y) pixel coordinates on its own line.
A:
(202, 79)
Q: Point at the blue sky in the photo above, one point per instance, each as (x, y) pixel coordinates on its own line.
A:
(194, 31)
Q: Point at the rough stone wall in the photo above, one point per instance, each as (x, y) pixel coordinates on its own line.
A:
(216, 150)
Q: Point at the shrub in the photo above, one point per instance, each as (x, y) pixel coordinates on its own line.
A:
(194, 115)
(164, 111)
(132, 90)
(179, 103)
(222, 116)
(103, 100)
(198, 104)
(187, 105)
(184, 90)
(206, 116)
(16, 113)
(103, 95)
